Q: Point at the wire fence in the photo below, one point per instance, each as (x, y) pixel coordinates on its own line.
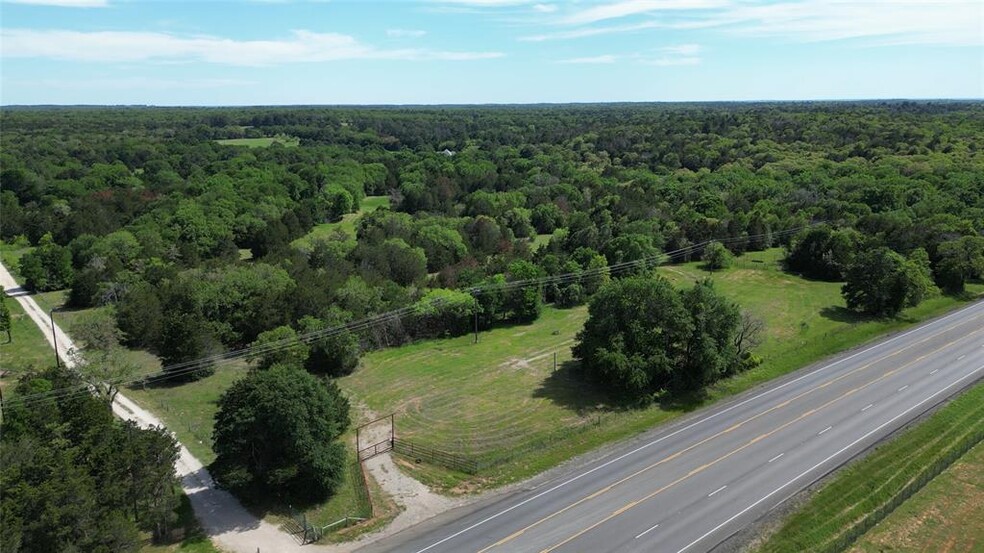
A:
(306, 532)
(846, 539)
(417, 452)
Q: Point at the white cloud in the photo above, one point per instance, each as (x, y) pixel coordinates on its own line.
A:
(591, 31)
(953, 22)
(607, 58)
(136, 83)
(63, 3)
(880, 22)
(484, 3)
(544, 8)
(635, 7)
(668, 61)
(117, 46)
(682, 49)
(405, 33)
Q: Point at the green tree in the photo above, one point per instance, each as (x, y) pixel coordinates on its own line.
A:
(277, 433)
(74, 478)
(822, 252)
(635, 336)
(711, 351)
(278, 346)
(443, 246)
(5, 321)
(47, 267)
(139, 316)
(717, 257)
(526, 302)
(959, 261)
(882, 282)
(335, 350)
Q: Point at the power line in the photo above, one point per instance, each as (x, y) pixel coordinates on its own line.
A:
(178, 370)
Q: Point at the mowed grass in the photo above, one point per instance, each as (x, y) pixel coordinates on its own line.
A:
(864, 486)
(10, 255)
(287, 141)
(27, 348)
(539, 241)
(188, 409)
(501, 401)
(347, 224)
(946, 515)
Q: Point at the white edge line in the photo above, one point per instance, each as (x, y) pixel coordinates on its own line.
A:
(717, 490)
(842, 450)
(824, 430)
(647, 531)
(777, 457)
(695, 423)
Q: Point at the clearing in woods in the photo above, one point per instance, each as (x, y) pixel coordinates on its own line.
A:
(501, 402)
(286, 141)
(347, 224)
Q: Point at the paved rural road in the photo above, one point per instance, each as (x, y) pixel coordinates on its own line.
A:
(226, 522)
(689, 486)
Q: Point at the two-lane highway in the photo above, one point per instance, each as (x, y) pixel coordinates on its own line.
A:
(688, 487)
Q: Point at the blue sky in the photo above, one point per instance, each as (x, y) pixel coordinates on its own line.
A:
(486, 51)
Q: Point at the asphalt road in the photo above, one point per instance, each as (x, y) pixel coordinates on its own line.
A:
(690, 486)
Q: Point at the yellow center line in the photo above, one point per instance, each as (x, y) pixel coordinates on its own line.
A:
(750, 443)
(732, 428)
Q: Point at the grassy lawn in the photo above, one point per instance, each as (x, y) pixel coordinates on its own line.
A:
(189, 409)
(27, 347)
(540, 240)
(347, 224)
(946, 515)
(502, 402)
(10, 255)
(864, 486)
(288, 141)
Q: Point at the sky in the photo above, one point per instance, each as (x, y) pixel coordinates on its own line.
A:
(286, 52)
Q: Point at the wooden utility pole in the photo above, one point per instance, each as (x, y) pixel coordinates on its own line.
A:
(54, 337)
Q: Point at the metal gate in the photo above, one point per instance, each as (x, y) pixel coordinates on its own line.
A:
(376, 441)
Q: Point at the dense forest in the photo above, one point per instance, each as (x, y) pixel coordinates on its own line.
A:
(195, 241)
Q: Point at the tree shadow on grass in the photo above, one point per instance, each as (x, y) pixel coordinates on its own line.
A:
(684, 402)
(842, 314)
(569, 389)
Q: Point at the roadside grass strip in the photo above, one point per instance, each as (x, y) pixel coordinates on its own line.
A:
(870, 489)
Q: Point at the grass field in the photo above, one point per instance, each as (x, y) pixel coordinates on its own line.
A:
(501, 401)
(10, 255)
(347, 224)
(287, 141)
(945, 516)
(189, 409)
(862, 487)
(539, 241)
(27, 347)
